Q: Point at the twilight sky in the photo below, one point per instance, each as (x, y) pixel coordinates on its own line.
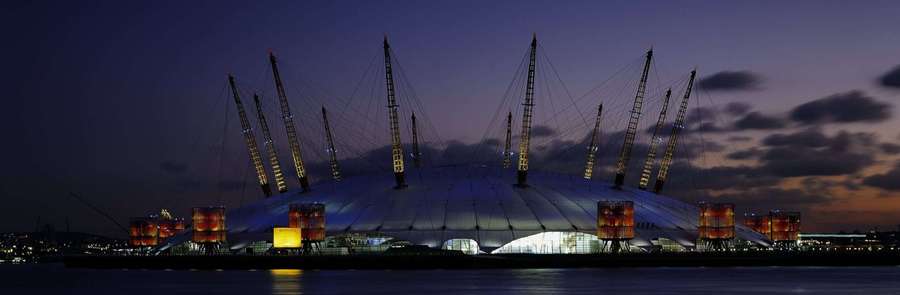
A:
(125, 103)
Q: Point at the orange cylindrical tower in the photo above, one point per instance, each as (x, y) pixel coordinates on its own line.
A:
(208, 224)
(784, 227)
(143, 232)
(615, 224)
(715, 228)
(310, 218)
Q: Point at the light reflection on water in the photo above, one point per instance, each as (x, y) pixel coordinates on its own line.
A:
(55, 279)
(286, 281)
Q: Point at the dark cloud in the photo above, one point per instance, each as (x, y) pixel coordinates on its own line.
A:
(891, 78)
(701, 114)
(492, 141)
(457, 152)
(756, 120)
(806, 138)
(747, 154)
(730, 81)
(542, 131)
(708, 127)
(706, 146)
(848, 107)
(719, 177)
(889, 180)
(791, 162)
(172, 167)
(739, 138)
(749, 188)
(737, 108)
(890, 148)
(853, 141)
(762, 199)
(811, 153)
(720, 119)
(808, 153)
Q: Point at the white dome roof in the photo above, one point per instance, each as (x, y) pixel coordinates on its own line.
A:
(464, 202)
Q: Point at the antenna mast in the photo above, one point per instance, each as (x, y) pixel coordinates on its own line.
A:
(506, 153)
(522, 172)
(417, 161)
(654, 142)
(280, 183)
(289, 126)
(396, 145)
(673, 139)
(332, 152)
(250, 139)
(592, 148)
(625, 154)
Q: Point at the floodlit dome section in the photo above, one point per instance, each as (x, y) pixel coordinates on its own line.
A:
(476, 203)
(467, 246)
(552, 243)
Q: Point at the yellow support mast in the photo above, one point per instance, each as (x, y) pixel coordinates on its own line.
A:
(416, 155)
(506, 148)
(332, 152)
(654, 143)
(250, 140)
(280, 182)
(522, 171)
(673, 139)
(592, 147)
(396, 144)
(625, 153)
(288, 119)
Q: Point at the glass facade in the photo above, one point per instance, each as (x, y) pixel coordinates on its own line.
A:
(667, 245)
(467, 246)
(552, 243)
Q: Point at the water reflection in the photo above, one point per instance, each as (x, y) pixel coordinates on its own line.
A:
(286, 281)
(32, 279)
(536, 281)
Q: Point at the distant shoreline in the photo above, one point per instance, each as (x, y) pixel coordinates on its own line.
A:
(733, 259)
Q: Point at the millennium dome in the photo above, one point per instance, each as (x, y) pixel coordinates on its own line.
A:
(472, 208)
(480, 204)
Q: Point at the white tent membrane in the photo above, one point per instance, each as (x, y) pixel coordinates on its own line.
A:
(466, 202)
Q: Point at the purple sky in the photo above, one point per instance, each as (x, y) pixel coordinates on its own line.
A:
(123, 102)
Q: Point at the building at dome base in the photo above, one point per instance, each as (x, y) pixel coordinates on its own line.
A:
(556, 213)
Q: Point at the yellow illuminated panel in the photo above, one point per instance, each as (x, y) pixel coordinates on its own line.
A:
(286, 237)
(286, 272)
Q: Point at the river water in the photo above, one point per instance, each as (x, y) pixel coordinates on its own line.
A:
(56, 279)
